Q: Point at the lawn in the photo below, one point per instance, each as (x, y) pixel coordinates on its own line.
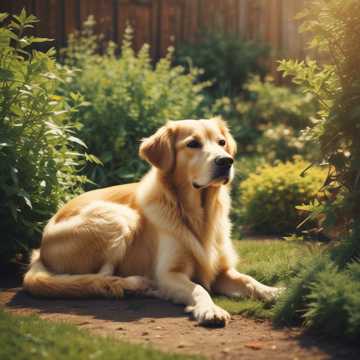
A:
(29, 337)
(272, 262)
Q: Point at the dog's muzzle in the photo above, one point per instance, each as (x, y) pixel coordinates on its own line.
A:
(222, 168)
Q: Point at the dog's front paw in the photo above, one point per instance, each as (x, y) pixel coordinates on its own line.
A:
(209, 315)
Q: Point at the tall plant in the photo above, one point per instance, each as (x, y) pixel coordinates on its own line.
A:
(39, 152)
(335, 26)
(325, 294)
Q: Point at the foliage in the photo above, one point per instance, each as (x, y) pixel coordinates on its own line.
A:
(291, 306)
(335, 26)
(128, 100)
(244, 167)
(267, 121)
(268, 197)
(280, 142)
(226, 59)
(325, 295)
(38, 150)
(325, 298)
(334, 301)
(30, 338)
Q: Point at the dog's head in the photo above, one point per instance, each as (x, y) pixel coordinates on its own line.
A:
(196, 152)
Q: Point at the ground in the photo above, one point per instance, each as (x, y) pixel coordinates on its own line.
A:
(166, 327)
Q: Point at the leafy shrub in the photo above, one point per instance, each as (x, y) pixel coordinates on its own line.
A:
(38, 150)
(226, 59)
(325, 298)
(280, 142)
(334, 301)
(244, 167)
(328, 300)
(269, 196)
(267, 121)
(298, 290)
(128, 100)
(335, 28)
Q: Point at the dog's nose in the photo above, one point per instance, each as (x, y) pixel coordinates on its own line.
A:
(224, 161)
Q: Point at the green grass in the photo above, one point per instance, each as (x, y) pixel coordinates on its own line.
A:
(29, 337)
(273, 262)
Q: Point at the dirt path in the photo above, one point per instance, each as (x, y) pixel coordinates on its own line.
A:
(165, 326)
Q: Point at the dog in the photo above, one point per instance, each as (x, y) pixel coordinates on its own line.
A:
(171, 230)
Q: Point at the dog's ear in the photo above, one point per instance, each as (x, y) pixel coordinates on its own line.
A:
(158, 149)
(230, 142)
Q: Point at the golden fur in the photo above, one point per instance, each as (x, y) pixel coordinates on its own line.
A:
(171, 230)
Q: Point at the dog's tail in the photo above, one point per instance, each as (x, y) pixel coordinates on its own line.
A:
(38, 281)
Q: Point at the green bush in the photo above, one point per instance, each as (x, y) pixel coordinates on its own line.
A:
(327, 299)
(39, 154)
(280, 142)
(334, 301)
(128, 100)
(335, 29)
(244, 167)
(226, 59)
(269, 196)
(268, 119)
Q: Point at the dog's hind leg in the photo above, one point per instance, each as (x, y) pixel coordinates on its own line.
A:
(93, 241)
(107, 269)
(78, 254)
(41, 282)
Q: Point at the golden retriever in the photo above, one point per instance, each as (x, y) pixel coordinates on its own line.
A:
(171, 229)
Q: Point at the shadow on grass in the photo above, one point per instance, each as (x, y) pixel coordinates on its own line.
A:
(334, 348)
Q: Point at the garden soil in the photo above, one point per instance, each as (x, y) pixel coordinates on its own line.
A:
(164, 326)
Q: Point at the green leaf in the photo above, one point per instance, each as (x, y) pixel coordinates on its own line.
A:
(15, 25)
(304, 207)
(77, 141)
(3, 16)
(39, 39)
(27, 201)
(6, 75)
(93, 159)
(24, 195)
(5, 36)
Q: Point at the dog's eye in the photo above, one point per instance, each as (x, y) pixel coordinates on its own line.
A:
(222, 142)
(194, 144)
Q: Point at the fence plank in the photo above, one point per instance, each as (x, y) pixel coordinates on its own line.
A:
(243, 17)
(16, 6)
(51, 16)
(167, 22)
(142, 27)
(71, 16)
(103, 13)
(190, 20)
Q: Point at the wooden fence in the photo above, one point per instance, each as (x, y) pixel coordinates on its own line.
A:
(162, 23)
